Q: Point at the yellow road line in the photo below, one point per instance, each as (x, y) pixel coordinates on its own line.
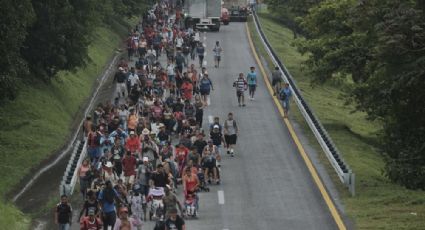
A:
(311, 169)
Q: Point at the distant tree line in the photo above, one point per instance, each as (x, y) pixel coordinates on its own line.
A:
(380, 46)
(38, 38)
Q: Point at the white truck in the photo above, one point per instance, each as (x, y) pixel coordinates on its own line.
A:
(203, 14)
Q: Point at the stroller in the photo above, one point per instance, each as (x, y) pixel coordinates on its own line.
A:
(202, 183)
(190, 205)
(155, 196)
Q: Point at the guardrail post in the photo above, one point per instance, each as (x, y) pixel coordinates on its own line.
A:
(352, 186)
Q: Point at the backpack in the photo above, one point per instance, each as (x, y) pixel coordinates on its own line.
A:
(205, 84)
(282, 95)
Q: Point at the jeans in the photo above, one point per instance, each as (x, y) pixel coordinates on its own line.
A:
(64, 226)
(109, 219)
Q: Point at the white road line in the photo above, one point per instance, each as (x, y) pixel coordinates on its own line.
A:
(220, 196)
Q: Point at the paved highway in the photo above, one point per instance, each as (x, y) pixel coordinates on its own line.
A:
(266, 185)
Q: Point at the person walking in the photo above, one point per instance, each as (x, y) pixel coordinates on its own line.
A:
(174, 221)
(217, 54)
(252, 82)
(200, 50)
(230, 134)
(205, 86)
(63, 214)
(285, 95)
(107, 197)
(240, 84)
(276, 80)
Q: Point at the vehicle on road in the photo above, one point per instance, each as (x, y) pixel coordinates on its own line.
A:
(203, 15)
(238, 10)
(225, 17)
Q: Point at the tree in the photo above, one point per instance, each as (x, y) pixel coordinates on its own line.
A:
(58, 39)
(334, 45)
(12, 34)
(395, 90)
(289, 11)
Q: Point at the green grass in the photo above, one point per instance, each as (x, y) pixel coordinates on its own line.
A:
(378, 204)
(37, 123)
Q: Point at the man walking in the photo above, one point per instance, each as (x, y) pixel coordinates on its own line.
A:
(240, 84)
(63, 214)
(252, 82)
(217, 54)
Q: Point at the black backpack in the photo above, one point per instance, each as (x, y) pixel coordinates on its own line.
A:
(282, 95)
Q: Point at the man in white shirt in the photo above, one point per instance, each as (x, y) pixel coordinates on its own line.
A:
(133, 78)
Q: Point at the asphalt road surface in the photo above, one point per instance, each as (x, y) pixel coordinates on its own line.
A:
(266, 185)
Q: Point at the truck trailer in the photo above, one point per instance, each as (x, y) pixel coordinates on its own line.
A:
(203, 14)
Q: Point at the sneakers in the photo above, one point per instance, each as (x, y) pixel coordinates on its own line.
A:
(232, 155)
(228, 151)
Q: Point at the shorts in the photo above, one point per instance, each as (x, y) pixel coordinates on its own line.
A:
(230, 139)
(252, 87)
(205, 92)
(275, 82)
(239, 93)
(217, 58)
(129, 179)
(285, 104)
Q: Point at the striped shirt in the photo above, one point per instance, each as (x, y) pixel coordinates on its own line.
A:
(240, 84)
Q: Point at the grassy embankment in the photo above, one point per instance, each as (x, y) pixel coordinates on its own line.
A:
(38, 122)
(378, 204)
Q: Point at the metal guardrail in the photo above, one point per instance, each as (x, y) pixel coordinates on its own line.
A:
(71, 173)
(345, 174)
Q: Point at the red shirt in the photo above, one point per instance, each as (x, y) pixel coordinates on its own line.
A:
(181, 153)
(187, 89)
(133, 144)
(191, 183)
(129, 165)
(86, 224)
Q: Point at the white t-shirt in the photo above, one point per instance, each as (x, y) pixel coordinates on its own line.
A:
(134, 79)
(179, 42)
(170, 69)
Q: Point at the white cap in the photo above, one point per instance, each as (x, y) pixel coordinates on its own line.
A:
(216, 127)
(108, 164)
(145, 159)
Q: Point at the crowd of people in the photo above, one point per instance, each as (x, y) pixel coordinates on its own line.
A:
(150, 140)
(147, 142)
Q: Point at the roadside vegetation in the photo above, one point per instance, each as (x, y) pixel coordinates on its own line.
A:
(379, 203)
(48, 73)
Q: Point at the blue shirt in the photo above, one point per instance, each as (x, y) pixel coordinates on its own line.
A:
(107, 207)
(287, 92)
(251, 78)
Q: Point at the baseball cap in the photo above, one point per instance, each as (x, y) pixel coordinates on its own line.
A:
(216, 127)
(145, 159)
